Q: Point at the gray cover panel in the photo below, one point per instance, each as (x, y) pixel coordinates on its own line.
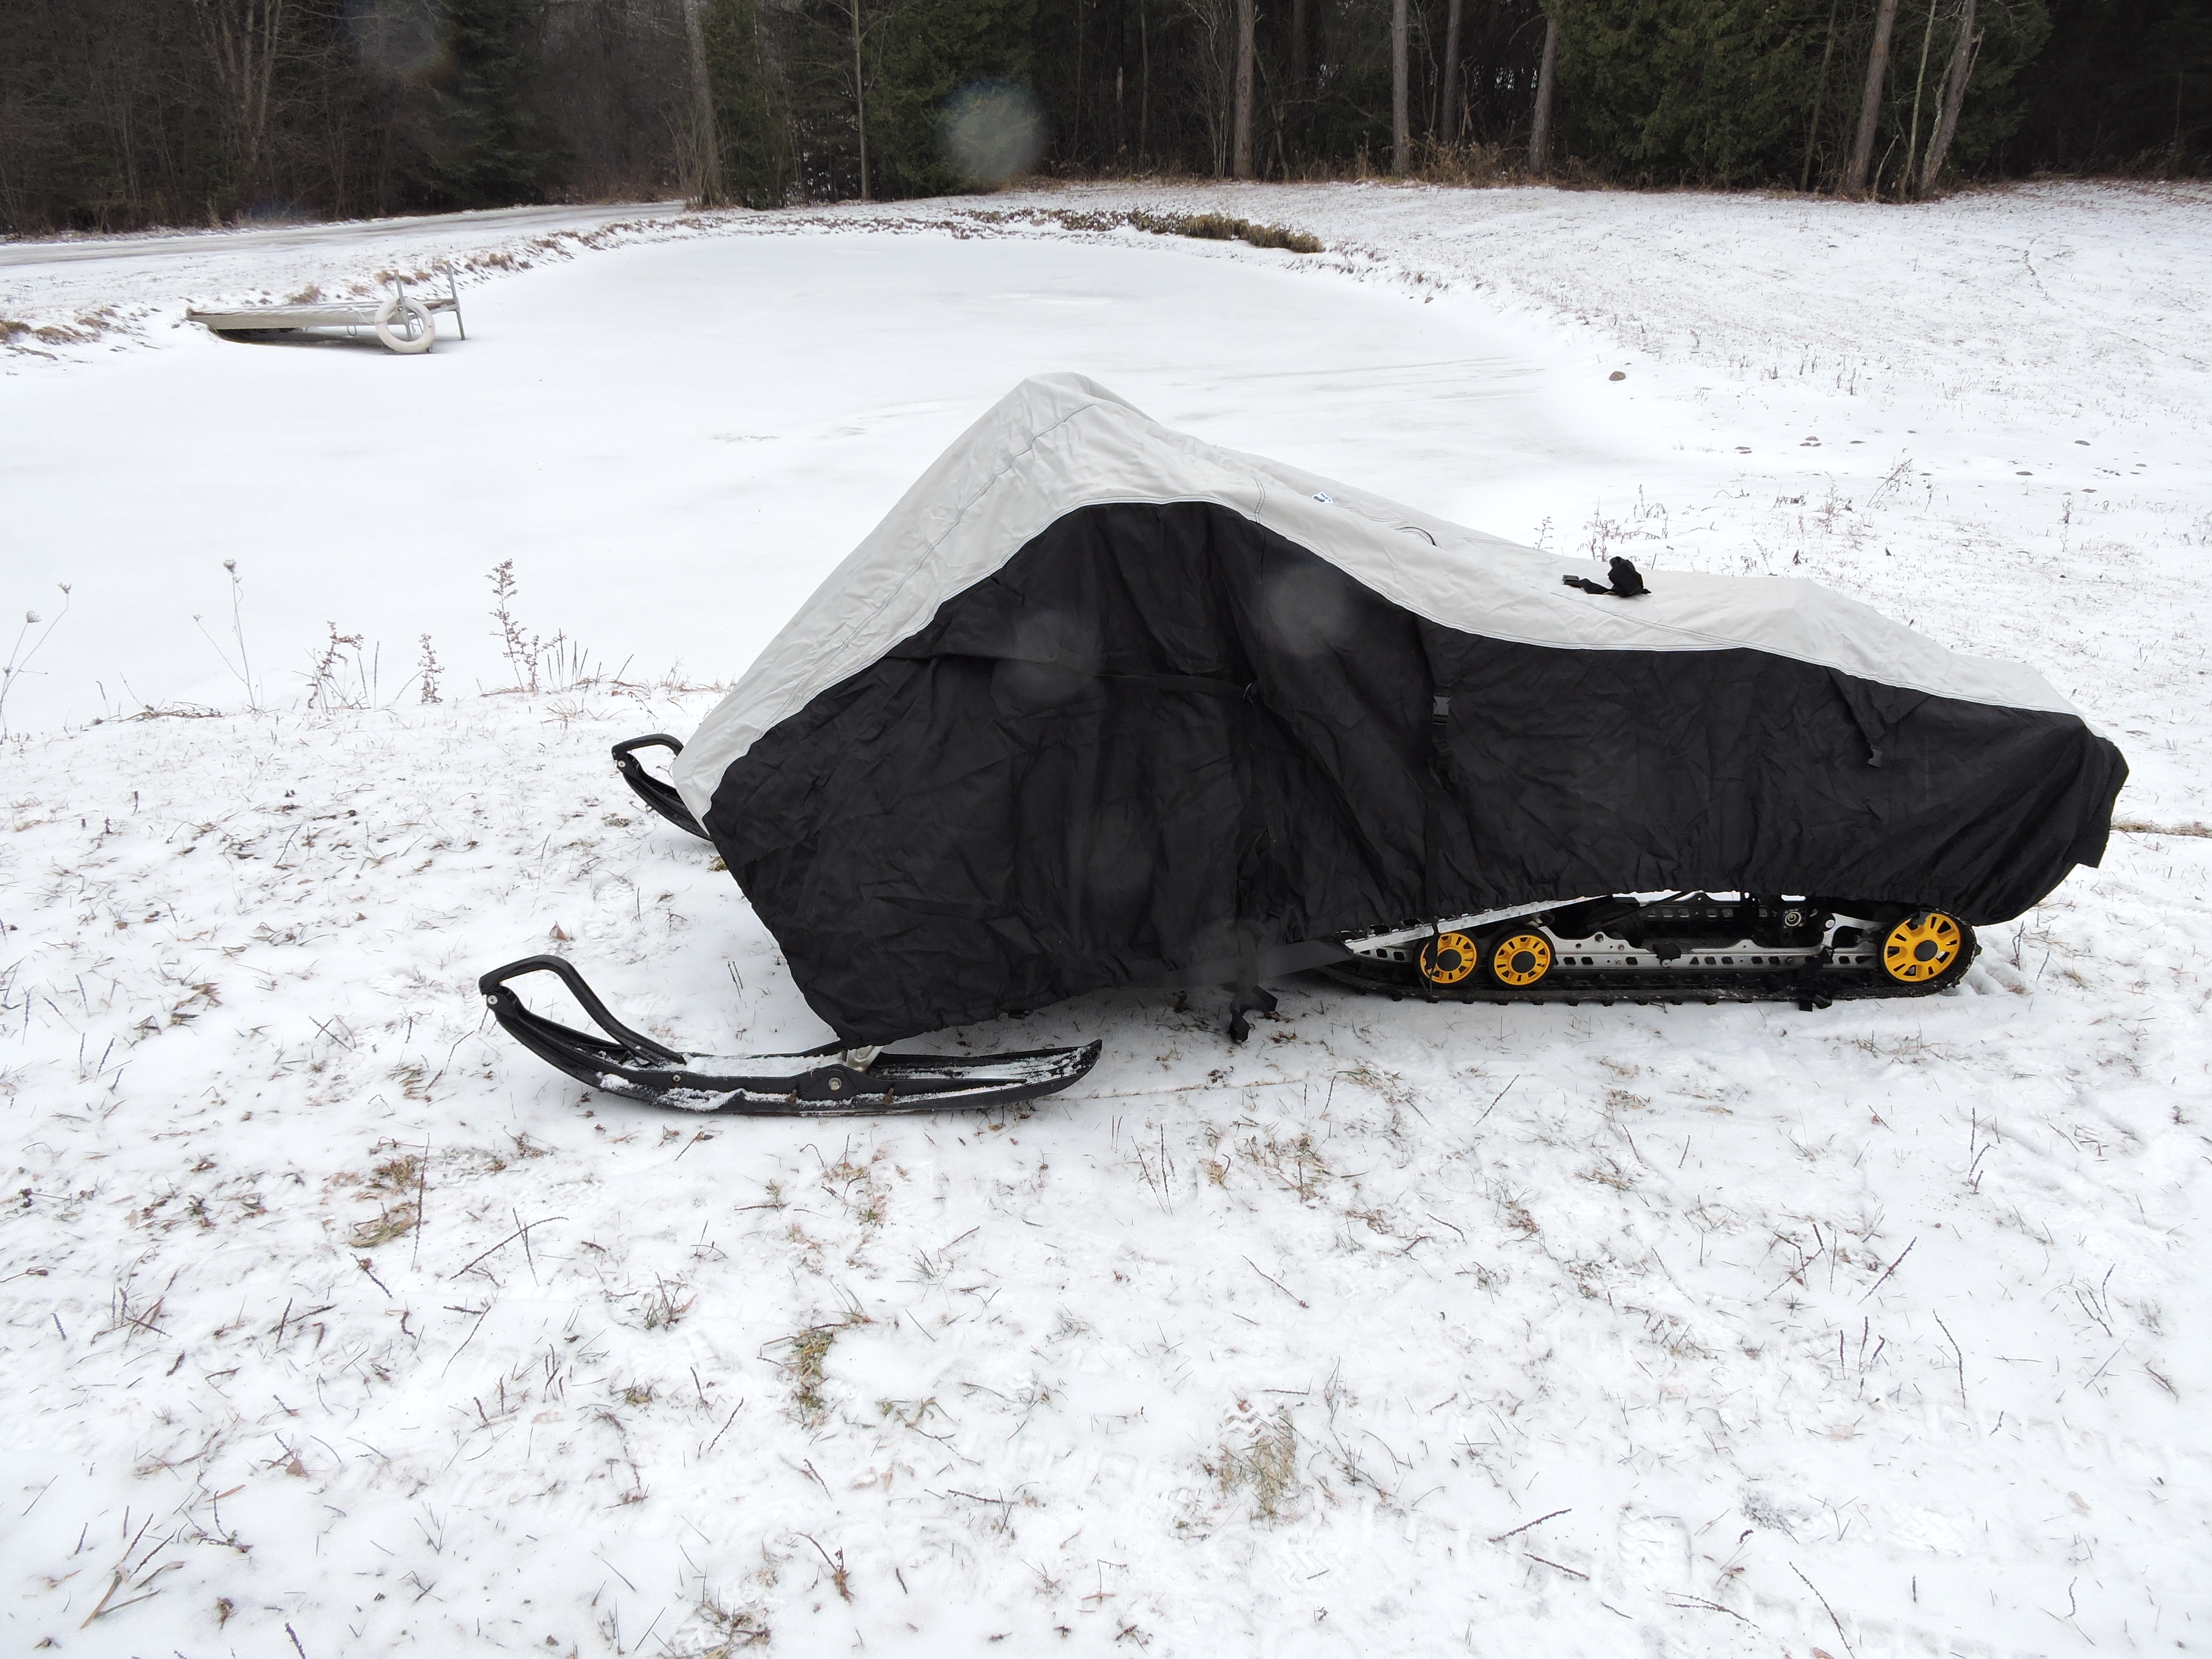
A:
(1060, 442)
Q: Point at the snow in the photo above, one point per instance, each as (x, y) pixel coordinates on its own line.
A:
(1879, 1330)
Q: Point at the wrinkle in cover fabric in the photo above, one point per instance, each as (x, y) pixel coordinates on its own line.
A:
(1164, 742)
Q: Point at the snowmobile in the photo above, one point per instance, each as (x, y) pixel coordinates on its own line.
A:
(1101, 705)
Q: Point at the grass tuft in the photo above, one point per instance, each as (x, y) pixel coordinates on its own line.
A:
(1222, 228)
(1267, 1467)
(396, 1184)
(735, 1629)
(807, 1361)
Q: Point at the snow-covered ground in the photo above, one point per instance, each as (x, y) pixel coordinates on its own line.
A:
(1881, 1330)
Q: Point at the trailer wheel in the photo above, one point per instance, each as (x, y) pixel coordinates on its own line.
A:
(405, 325)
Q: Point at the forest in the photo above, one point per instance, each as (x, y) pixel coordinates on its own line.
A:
(122, 114)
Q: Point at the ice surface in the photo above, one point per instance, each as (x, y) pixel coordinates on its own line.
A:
(1876, 1331)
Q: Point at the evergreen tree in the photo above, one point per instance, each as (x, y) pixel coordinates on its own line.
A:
(1731, 92)
(927, 51)
(490, 149)
(119, 113)
(2120, 84)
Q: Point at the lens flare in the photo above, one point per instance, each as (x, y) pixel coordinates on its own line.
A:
(403, 36)
(992, 131)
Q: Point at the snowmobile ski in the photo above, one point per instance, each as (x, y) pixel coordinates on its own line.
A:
(827, 1082)
(660, 797)
(1688, 947)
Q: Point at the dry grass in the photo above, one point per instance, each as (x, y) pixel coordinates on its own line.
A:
(732, 1630)
(1266, 1468)
(1200, 226)
(805, 1362)
(662, 1309)
(1293, 1162)
(397, 1185)
(1221, 227)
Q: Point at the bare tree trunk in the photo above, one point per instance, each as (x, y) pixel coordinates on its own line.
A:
(702, 111)
(1855, 170)
(1451, 73)
(1401, 141)
(861, 101)
(1540, 128)
(1144, 83)
(1298, 47)
(241, 38)
(1919, 85)
(1245, 23)
(1820, 92)
(272, 13)
(1954, 94)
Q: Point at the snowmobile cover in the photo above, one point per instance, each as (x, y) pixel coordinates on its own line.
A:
(1101, 704)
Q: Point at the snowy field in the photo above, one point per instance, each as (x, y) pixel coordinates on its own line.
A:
(335, 1323)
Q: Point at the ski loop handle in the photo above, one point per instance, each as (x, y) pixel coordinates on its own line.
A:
(662, 798)
(533, 1030)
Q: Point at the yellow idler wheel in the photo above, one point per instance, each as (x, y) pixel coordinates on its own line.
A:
(1521, 959)
(1449, 959)
(1921, 947)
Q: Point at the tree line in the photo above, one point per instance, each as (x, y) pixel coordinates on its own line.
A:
(117, 114)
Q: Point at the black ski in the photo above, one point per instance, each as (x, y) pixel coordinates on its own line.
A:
(831, 1082)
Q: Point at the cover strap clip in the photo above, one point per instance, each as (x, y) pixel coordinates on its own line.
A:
(1627, 581)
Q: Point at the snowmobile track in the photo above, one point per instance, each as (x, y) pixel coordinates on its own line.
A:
(1826, 986)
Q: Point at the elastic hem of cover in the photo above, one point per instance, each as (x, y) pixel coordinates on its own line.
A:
(662, 798)
(1279, 963)
(632, 1065)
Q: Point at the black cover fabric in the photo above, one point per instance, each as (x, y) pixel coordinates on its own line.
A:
(1165, 745)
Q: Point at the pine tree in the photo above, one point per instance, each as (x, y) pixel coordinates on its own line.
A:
(490, 153)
